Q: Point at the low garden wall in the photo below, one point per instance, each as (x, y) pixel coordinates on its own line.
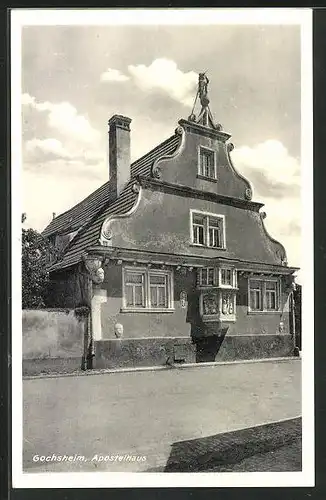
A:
(52, 341)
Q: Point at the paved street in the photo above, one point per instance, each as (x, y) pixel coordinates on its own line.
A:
(144, 413)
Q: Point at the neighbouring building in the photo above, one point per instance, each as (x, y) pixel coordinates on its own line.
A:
(172, 257)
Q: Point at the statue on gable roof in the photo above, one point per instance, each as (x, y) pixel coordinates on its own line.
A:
(205, 116)
(203, 82)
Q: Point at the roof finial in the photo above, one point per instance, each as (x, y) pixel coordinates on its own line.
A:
(205, 116)
(203, 82)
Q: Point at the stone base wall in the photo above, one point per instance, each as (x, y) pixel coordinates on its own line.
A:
(255, 347)
(125, 353)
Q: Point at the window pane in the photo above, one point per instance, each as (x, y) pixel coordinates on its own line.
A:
(157, 279)
(214, 222)
(226, 276)
(129, 296)
(153, 296)
(161, 297)
(271, 285)
(138, 295)
(271, 300)
(214, 237)
(255, 300)
(198, 219)
(158, 296)
(198, 232)
(255, 284)
(134, 278)
(211, 276)
(207, 164)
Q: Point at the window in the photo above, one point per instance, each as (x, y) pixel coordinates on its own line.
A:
(214, 232)
(207, 276)
(263, 295)
(135, 289)
(256, 303)
(198, 227)
(271, 295)
(228, 277)
(207, 163)
(145, 289)
(158, 290)
(207, 229)
(219, 277)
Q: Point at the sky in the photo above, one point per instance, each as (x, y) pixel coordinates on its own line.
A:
(74, 78)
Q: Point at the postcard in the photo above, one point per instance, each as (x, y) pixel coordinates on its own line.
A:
(162, 247)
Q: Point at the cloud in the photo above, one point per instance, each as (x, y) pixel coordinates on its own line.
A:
(275, 176)
(113, 75)
(163, 75)
(63, 117)
(51, 148)
(270, 168)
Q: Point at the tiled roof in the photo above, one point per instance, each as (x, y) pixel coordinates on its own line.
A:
(75, 217)
(89, 215)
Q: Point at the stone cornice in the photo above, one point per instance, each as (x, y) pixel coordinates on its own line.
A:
(160, 258)
(190, 192)
(196, 128)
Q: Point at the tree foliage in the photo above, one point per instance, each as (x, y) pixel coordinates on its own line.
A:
(37, 255)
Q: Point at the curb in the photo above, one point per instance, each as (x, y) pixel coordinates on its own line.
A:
(184, 366)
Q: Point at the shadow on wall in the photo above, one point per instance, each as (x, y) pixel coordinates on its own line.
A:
(208, 347)
(51, 334)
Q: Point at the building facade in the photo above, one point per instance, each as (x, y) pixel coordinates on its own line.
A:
(172, 256)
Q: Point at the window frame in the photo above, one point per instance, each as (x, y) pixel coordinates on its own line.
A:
(263, 282)
(206, 216)
(205, 270)
(206, 149)
(234, 278)
(147, 272)
(141, 285)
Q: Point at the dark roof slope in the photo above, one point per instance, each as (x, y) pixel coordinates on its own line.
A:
(75, 217)
(92, 211)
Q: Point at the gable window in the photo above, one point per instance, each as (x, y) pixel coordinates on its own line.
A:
(198, 228)
(207, 163)
(207, 229)
(147, 289)
(263, 295)
(214, 232)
